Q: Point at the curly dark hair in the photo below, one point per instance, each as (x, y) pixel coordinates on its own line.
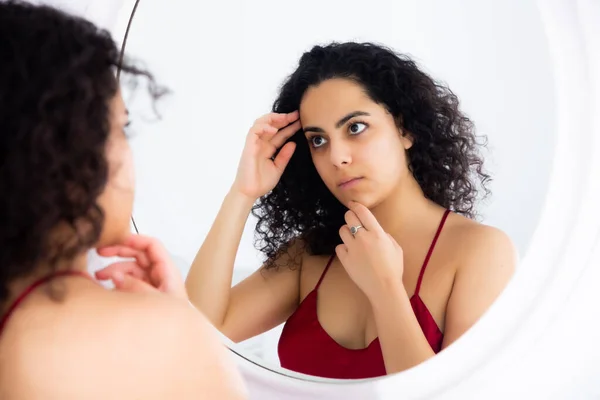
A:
(444, 158)
(57, 79)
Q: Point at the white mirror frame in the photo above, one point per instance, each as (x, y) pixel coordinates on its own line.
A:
(513, 349)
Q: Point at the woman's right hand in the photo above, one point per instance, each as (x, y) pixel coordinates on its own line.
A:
(150, 269)
(258, 172)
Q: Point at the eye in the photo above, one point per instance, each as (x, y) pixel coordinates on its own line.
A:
(317, 141)
(357, 127)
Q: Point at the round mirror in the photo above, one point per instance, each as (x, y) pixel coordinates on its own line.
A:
(407, 166)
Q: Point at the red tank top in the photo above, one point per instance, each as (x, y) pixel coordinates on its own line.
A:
(305, 347)
(29, 289)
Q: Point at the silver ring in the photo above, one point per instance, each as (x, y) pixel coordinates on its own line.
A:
(355, 229)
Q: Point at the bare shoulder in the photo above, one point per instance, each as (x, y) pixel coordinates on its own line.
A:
(486, 259)
(477, 236)
(146, 346)
(173, 338)
(482, 247)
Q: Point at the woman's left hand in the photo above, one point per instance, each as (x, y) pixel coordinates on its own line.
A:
(372, 258)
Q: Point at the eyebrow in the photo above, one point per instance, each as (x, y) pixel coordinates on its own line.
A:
(341, 122)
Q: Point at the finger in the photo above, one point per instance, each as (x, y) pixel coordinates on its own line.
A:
(284, 156)
(263, 130)
(128, 283)
(278, 139)
(124, 252)
(352, 220)
(162, 272)
(151, 247)
(341, 251)
(125, 268)
(281, 136)
(366, 217)
(262, 135)
(272, 119)
(345, 235)
(278, 120)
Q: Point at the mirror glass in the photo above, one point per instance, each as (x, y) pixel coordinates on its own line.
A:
(450, 98)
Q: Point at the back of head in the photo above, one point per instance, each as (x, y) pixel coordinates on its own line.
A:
(443, 159)
(56, 81)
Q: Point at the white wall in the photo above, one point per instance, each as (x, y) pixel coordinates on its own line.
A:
(225, 61)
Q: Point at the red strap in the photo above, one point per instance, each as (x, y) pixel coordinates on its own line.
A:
(324, 272)
(34, 286)
(431, 247)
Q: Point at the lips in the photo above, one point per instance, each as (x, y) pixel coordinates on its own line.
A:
(348, 181)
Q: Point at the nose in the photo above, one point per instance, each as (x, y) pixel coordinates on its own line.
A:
(339, 153)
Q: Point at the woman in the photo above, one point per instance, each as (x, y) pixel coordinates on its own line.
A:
(367, 176)
(66, 178)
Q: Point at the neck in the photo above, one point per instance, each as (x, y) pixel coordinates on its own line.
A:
(405, 210)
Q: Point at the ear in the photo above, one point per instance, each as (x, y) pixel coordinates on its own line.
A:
(406, 138)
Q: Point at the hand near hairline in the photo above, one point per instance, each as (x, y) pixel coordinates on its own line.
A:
(259, 170)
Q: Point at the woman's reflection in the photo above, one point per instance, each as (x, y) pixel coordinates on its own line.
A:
(367, 177)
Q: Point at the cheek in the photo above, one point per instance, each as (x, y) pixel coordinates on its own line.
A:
(127, 170)
(385, 156)
(122, 175)
(326, 170)
(121, 179)
(322, 166)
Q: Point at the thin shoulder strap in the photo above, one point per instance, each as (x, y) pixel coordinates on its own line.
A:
(324, 271)
(34, 286)
(431, 247)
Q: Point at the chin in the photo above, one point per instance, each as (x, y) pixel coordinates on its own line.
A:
(361, 198)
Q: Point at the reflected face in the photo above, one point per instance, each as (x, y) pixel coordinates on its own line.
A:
(355, 144)
(117, 199)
